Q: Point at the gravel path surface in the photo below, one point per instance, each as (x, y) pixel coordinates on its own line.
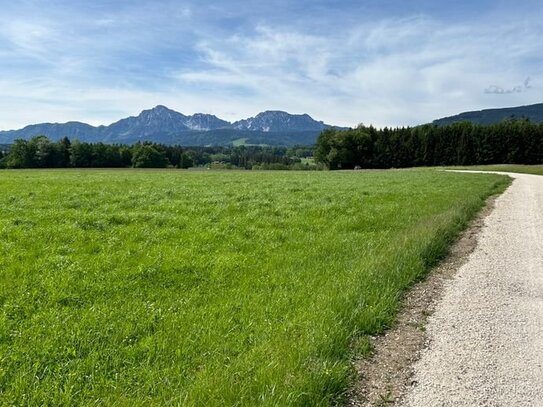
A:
(485, 339)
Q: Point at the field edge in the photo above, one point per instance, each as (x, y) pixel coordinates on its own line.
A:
(382, 362)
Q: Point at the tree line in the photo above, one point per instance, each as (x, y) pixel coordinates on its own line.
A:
(465, 143)
(40, 152)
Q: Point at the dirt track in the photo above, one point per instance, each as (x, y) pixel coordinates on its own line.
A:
(486, 335)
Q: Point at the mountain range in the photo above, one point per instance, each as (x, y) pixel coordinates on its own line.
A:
(167, 126)
(163, 125)
(491, 116)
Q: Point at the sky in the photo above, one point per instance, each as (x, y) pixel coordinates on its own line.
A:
(380, 62)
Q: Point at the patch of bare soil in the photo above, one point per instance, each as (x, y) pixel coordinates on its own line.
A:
(387, 374)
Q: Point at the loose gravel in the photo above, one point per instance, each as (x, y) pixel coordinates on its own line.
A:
(485, 338)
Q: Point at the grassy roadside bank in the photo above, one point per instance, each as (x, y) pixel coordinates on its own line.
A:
(210, 288)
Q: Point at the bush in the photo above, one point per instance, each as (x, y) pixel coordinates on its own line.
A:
(147, 156)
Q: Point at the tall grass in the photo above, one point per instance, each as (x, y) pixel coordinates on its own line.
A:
(210, 288)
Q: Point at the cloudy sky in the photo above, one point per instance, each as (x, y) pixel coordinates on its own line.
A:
(385, 62)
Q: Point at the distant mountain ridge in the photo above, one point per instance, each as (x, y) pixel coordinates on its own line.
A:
(279, 121)
(161, 124)
(491, 116)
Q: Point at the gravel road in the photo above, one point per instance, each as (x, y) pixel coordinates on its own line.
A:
(485, 339)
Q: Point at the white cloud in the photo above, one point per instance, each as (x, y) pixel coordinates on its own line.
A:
(386, 72)
(393, 72)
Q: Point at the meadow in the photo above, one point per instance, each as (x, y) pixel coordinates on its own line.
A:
(240, 288)
(524, 169)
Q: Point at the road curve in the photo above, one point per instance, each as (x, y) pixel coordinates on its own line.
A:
(485, 339)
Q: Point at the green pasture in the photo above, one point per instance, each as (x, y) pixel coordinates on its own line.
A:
(239, 288)
(526, 169)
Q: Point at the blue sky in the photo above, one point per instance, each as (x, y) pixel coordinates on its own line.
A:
(388, 62)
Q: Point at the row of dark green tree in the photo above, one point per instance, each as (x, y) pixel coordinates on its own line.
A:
(465, 143)
(40, 152)
(249, 157)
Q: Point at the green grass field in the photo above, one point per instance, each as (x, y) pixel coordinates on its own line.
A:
(239, 142)
(138, 288)
(308, 160)
(525, 169)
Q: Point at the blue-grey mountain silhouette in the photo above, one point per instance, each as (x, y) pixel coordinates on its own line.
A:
(164, 125)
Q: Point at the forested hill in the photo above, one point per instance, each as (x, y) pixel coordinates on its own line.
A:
(534, 113)
(465, 143)
(166, 126)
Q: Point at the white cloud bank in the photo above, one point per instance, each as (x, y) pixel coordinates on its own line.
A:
(394, 72)
(388, 72)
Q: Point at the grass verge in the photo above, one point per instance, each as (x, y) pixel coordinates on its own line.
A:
(523, 169)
